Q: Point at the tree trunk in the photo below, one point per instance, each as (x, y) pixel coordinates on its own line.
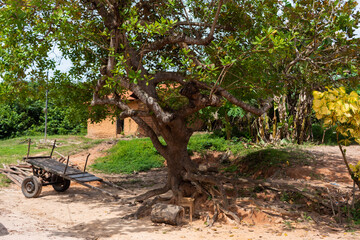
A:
(177, 136)
(283, 130)
(301, 123)
(228, 127)
(179, 163)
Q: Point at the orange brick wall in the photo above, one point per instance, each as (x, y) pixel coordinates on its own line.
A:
(103, 129)
(130, 127)
(107, 127)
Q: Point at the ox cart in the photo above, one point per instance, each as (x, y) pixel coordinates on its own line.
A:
(46, 170)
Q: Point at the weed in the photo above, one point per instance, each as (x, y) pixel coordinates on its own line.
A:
(354, 212)
(291, 197)
(4, 181)
(231, 169)
(287, 225)
(306, 217)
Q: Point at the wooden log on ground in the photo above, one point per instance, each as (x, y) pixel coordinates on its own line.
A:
(15, 168)
(62, 156)
(167, 213)
(12, 171)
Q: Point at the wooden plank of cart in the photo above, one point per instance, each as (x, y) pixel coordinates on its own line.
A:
(48, 171)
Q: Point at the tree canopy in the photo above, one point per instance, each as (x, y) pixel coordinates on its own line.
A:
(179, 57)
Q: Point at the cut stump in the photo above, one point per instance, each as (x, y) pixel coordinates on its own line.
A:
(167, 213)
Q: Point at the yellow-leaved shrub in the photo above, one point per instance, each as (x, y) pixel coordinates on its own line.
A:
(342, 110)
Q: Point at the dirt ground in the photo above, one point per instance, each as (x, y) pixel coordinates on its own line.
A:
(81, 213)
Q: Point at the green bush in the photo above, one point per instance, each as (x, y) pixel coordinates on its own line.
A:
(18, 119)
(330, 134)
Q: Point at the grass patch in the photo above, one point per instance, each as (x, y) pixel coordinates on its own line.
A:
(205, 142)
(129, 156)
(262, 160)
(4, 181)
(13, 150)
(140, 155)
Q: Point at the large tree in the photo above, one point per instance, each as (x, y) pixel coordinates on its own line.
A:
(180, 57)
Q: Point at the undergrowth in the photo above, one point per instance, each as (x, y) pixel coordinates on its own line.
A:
(202, 143)
(4, 181)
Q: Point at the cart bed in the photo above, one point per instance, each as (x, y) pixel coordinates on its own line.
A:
(58, 168)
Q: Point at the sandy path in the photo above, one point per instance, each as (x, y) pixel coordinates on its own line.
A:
(81, 213)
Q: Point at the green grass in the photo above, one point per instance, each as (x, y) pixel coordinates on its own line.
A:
(13, 150)
(140, 155)
(204, 142)
(4, 181)
(129, 156)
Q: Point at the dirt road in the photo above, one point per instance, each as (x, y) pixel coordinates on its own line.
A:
(81, 213)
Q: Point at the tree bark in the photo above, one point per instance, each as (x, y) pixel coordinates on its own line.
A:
(167, 213)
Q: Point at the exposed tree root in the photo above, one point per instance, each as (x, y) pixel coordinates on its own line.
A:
(145, 208)
(232, 214)
(223, 192)
(215, 216)
(147, 195)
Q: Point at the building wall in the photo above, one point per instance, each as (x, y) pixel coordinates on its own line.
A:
(103, 129)
(107, 127)
(130, 127)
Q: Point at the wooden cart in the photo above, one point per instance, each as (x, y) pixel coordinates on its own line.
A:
(48, 171)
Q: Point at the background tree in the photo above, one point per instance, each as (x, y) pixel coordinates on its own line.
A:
(23, 113)
(178, 58)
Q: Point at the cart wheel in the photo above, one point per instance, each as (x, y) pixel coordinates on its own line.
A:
(61, 184)
(31, 187)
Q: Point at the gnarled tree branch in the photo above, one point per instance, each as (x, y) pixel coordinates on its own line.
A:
(227, 95)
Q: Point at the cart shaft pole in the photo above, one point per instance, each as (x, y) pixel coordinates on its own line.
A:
(52, 150)
(27, 156)
(87, 158)
(67, 164)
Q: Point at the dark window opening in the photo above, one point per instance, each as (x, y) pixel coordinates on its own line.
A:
(119, 126)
